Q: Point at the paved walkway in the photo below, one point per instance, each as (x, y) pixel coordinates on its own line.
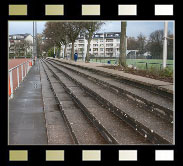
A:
(166, 86)
(26, 116)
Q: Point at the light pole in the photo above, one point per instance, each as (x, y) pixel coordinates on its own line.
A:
(165, 44)
(33, 42)
(36, 39)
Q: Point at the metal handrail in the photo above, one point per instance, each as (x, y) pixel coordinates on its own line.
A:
(27, 68)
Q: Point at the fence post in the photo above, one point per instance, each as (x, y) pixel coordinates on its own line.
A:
(18, 75)
(25, 69)
(11, 83)
(146, 65)
(22, 72)
(27, 66)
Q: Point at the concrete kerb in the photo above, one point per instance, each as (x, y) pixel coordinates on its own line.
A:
(157, 84)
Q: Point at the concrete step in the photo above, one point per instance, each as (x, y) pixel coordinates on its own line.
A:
(113, 129)
(57, 131)
(81, 129)
(161, 106)
(157, 130)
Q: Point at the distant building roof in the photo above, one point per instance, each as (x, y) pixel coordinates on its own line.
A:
(103, 35)
(19, 36)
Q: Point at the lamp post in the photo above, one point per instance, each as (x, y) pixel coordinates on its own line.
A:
(33, 42)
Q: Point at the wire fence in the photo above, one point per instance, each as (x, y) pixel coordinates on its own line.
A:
(143, 64)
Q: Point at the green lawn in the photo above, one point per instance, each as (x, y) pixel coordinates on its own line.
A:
(135, 62)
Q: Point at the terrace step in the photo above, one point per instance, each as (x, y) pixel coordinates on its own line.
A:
(57, 131)
(81, 129)
(155, 103)
(152, 127)
(112, 128)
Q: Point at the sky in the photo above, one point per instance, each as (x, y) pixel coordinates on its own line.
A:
(134, 28)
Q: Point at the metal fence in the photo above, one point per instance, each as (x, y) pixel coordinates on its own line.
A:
(134, 62)
(17, 75)
(151, 63)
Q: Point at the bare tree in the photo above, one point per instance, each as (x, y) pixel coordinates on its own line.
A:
(56, 34)
(132, 43)
(26, 45)
(122, 58)
(73, 29)
(141, 42)
(90, 28)
(18, 46)
(21, 47)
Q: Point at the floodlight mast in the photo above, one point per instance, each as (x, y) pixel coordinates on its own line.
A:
(165, 44)
(34, 52)
(36, 39)
(33, 42)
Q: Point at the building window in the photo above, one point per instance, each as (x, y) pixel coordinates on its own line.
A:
(109, 40)
(81, 41)
(109, 45)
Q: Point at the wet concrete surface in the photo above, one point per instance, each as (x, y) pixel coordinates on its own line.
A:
(148, 119)
(146, 95)
(116, 127)
(165, 86)
(57, 130)
(83, 129)
(26, 116)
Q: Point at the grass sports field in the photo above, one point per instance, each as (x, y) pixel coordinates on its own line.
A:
(140, 63)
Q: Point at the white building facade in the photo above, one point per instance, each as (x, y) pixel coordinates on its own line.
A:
(102, 45)
(17, 38)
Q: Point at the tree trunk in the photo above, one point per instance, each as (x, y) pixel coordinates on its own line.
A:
(72, 52)
(122, 58)
(88, 49)
(65, 52)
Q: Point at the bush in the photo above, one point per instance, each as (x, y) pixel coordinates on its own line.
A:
(167, 72)
(11, 56)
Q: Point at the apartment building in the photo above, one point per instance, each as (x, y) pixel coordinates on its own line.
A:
(102, 45)
(24, 48)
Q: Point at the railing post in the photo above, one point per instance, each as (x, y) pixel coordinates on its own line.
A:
(11, 83)
(18, 75)
(22, 71)
(25, 69)
(27, 66)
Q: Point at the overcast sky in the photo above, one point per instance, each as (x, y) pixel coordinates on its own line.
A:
(134, 28)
